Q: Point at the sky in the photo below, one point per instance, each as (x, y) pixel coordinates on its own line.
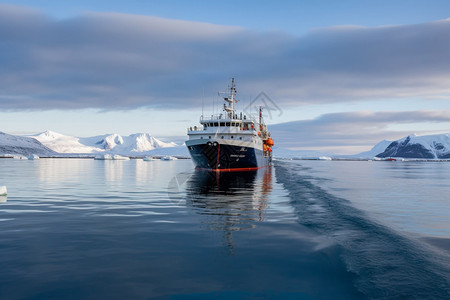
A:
(336, 76)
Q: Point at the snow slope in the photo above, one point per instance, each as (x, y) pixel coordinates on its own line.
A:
(134, 144)
(377, 149)
(63, 143)
(19, 145)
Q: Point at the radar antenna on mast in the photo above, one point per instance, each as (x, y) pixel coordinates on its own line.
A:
(230, 99)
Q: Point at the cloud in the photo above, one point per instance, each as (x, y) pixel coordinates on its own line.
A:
(349, 129)
(120, 61)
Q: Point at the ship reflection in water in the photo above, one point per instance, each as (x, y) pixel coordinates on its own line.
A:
(230, 201)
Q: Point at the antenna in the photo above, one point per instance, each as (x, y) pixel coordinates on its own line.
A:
(260, 115)
(203, 96)
(230, 99)
(233, 93)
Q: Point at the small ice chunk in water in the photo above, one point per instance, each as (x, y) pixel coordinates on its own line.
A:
(110, 157)
(33, 157)
(324, 158)
(169, 158)
(119, 157)
(3, 191)
(103, 157)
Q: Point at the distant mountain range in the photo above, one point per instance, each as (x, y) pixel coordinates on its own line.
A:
(50, 143)
(111, 143)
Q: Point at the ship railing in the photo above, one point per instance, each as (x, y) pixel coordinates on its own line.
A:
(221, 128)
(228, 116)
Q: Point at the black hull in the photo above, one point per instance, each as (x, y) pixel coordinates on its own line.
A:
(223, 157)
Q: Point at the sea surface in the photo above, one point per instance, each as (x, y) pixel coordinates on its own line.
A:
(88, 229)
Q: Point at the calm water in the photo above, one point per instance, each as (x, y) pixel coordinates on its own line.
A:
(302, 230)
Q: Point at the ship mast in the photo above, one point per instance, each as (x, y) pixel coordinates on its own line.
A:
(231, 100)
(260, 115)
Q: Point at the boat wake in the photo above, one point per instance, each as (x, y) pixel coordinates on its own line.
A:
(387, 265)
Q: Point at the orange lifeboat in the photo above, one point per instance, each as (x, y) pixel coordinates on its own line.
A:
(269, 142)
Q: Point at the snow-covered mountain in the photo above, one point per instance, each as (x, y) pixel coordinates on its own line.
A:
(19, 145)
(62, 143)
(413, 146)
(436, 146)
(134, 144)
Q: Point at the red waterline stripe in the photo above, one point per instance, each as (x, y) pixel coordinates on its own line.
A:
(232, 169)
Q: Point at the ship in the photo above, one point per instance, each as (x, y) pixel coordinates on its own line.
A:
(230, 141)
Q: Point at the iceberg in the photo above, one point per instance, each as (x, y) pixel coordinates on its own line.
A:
(168, 158)
(110, 157)
(103, 157)
(33, 157)
(119, 157)
(3, 191)
(324, 158)
(148, 158)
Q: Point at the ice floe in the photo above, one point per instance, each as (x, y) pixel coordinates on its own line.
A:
(3, 191)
